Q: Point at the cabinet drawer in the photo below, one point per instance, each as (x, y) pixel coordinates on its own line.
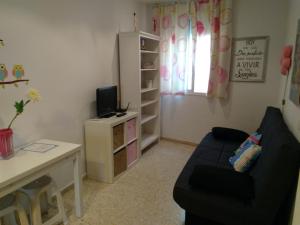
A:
(118, 136)
(120, 162)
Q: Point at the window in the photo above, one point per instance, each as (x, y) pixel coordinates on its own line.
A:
(198, 76)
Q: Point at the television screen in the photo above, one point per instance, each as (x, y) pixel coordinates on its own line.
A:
(106, 101)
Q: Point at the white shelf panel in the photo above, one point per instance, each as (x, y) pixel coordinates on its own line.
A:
(149, 36)
(148, 102)
(149, 69)
(131, 164)
(148, 139)
(118, 149)
(147, 118)
(144, 90)
(131, 141)
(149, 52)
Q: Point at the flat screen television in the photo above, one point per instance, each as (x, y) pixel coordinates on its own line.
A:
(106, 101)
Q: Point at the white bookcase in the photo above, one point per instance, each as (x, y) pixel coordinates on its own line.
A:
(140, 81)
(112, 146)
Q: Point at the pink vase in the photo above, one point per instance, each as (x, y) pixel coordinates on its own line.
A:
(6, 143)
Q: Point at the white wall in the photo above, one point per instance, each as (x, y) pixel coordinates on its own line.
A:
(291, 111)
(68, 48)
(196, 115)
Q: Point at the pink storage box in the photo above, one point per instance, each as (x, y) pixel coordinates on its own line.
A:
(131, 129)
(131, 153)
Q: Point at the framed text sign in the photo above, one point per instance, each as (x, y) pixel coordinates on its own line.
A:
(249, 59)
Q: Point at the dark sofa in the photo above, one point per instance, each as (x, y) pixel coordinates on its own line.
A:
(274, 174)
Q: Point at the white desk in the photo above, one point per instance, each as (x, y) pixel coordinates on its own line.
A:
(27, 166)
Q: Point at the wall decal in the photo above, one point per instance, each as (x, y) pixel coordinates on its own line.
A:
(1, 43)
(3, 73)
(286, 59)
(249, 59)
(18, 72)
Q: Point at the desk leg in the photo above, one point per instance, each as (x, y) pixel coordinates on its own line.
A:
(78, 186)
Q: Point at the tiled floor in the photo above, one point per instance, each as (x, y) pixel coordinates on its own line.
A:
(142, 196)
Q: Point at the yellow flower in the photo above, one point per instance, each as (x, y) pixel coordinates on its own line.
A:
(34, 95)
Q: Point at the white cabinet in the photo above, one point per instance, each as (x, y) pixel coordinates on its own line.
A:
(140, 81)
(112, 146)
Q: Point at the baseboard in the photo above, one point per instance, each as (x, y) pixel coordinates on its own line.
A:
(179, 141)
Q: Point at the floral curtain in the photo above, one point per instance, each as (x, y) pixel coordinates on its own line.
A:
(195, 37)
(173, 21)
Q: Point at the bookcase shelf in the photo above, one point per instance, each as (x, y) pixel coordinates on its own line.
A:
(148, 139)
(149, 69)
(148, 102)
(149, 52)
(146, 118)
(145, 90)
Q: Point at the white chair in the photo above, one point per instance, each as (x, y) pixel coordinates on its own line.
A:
(37, 189)
(10, 208)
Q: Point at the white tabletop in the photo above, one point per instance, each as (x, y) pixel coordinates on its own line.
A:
(24, 163)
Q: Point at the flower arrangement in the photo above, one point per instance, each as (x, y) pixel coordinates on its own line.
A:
(32, 96)
(6, 135)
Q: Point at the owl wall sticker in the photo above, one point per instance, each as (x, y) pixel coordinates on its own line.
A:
(3, 73)
(18, 71)
(1, 43)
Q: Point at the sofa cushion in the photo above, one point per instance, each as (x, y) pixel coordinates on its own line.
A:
(223, 181)
(271, 124)
(229, 134)
(272, 115)
(275, 171)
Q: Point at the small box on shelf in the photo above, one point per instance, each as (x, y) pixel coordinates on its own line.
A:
(132, 153)
(118, 134)
(120, 162)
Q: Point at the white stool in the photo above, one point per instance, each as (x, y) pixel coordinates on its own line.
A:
(35, 190)
(9, 204)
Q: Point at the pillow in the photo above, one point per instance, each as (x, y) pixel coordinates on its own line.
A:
(229, 134)
(254, 138)
(245, 157)
(223, 181)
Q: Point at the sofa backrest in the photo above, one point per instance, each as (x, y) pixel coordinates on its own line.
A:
(277, 168)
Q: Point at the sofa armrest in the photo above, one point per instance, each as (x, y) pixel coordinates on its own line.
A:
(229, 134)
(223, 181)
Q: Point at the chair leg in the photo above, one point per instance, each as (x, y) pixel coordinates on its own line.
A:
(36, 211)
(61, 208)
(22, 215)
(12, 218)
(7, 219)
(25, 202)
